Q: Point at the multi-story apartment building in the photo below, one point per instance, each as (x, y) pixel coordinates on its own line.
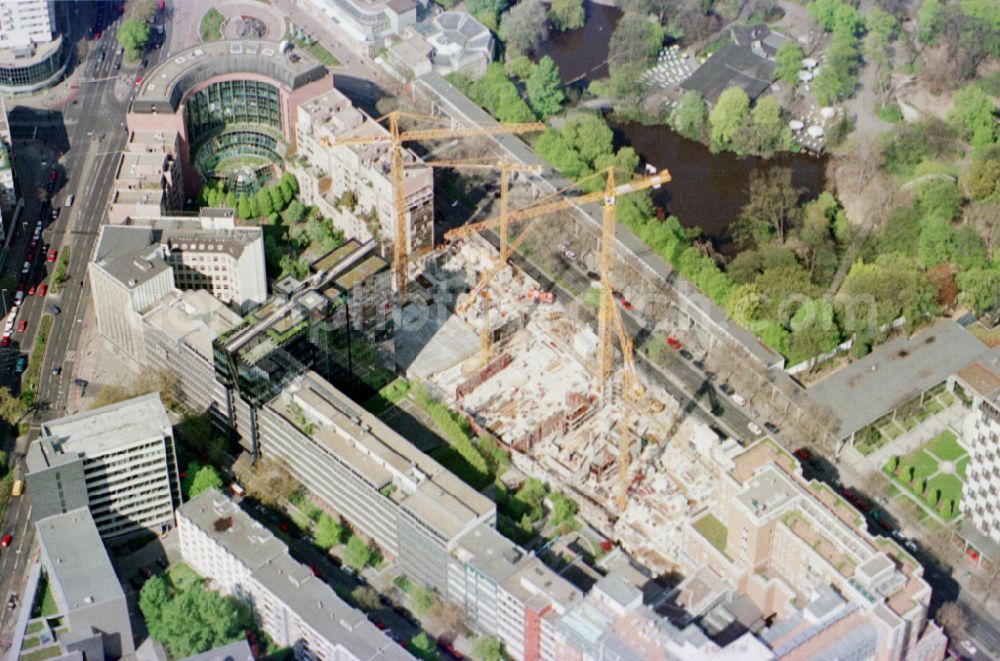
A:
(149, 181)
(89, 598)
(296, 609)
(178, 332)
(353, 186)
(509, 593)
(981, 435)
(336, 322)
(137, 264)
(118, 460)
(802, 555)
(410, 505)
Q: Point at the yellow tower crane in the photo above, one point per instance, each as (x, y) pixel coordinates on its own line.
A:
(608, 315)
(605, 260)
(396, 138)
(504, 167)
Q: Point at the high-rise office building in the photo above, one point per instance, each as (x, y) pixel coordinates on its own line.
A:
(118, 460)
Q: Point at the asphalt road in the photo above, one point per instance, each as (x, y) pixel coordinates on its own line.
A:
(92, 124)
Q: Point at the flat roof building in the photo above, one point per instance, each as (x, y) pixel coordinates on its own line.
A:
(118, 460)
(85, 587)
(895, 374)
(238, 651)
(296, 609)
(135, 265)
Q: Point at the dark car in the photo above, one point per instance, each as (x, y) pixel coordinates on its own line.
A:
(726, 388)
(771, 427)
(22, 363)
(700, 365)
(54, 309)
(687, 354)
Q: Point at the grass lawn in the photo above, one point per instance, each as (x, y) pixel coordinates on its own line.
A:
(890, 490)
(42, 654)
(891, 430)
(210, 28)
(910, 423)
(323, 55)
(961, 467)
(945, 447)
(713, 530)
(181, 576)
(29, 643)
(387, 396)
(950, 487)
(34, 627)
(922, 463)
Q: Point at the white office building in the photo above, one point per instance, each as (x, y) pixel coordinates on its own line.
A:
(118, 460)
(25, 22)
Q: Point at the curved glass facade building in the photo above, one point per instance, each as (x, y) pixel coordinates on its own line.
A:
(227, 102)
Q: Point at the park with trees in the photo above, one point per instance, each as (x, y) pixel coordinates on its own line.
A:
(799, 258)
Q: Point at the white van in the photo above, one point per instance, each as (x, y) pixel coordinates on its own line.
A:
(69, 200)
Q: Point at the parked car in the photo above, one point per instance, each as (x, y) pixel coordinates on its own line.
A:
(5, 541)
(5, 340)
(21, 365)
(674, 344)
(726, 388)
(22, 326)
(802, 454)
(31, 290)
(771, 427)
(26, 268)
(53, 253)
(42, 288)
(754, 429)
(687, 354)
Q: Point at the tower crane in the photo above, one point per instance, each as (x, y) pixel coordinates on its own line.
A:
(396, 138)
(605, 260)
(505, 167)
(609, 316)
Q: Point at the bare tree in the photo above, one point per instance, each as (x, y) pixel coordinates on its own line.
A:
(952, 617)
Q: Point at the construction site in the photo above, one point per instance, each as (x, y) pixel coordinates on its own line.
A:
(534, 384)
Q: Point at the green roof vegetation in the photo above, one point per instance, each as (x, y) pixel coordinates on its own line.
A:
(713, 530)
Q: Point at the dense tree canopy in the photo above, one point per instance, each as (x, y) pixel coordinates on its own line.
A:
(972, 113)
(522, 27)
(689, 116)
(635, 39)
(132, 35)
(788, 62)
(544, 88)
(191, 621)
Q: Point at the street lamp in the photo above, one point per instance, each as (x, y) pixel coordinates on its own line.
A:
(4, 302)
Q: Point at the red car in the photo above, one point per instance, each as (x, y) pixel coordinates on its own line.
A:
(5, 340)
(97, 35)
(52, 175)
(22, 326)
(674, 344)
(52, 255)
(30, 257)
(138, 80)
(31, 290)
(803, 454)
(283, 527)
(42, 288)
(314, 570)
(5, 541)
